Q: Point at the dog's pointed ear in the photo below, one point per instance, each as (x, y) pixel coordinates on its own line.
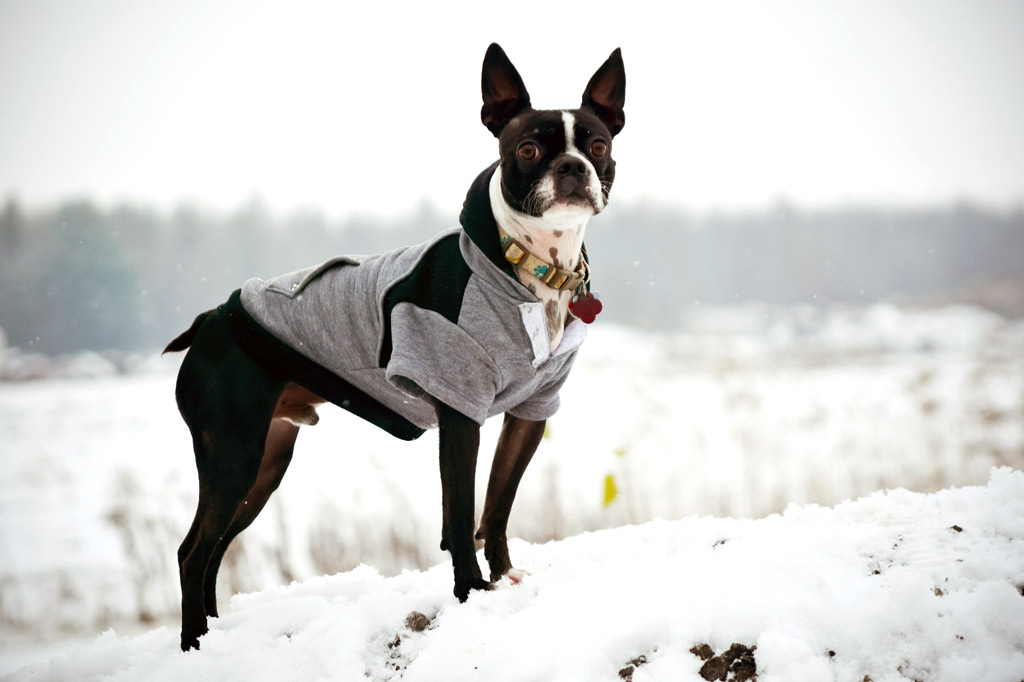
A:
(606, 92)
(504, 94)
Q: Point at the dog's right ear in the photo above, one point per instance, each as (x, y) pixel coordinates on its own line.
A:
(504, 93)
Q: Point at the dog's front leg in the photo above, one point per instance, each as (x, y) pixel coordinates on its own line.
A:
(460, 441)
(518, 441)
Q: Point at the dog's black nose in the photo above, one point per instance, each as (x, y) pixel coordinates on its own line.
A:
(571, 166)
(572, 174)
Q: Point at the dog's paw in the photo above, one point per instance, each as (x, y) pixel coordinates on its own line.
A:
(517, 575)
(190, 635)
(189, 642)
(462, 590)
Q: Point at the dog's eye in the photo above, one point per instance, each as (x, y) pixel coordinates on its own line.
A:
(528, 151)
(598, 148)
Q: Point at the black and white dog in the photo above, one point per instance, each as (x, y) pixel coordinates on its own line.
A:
(481, 320)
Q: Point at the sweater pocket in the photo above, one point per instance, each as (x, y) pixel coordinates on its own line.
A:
(294, 283)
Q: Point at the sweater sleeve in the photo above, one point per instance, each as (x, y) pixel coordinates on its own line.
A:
(432, 356)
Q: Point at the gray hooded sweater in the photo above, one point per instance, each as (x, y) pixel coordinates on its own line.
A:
(378, 334)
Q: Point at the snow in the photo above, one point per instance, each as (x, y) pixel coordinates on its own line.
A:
(885, 587)
(753, 412)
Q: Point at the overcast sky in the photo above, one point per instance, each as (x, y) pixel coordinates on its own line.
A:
(373, 107)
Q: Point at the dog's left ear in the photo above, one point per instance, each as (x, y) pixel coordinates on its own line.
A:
(505, 95)
(606, 92)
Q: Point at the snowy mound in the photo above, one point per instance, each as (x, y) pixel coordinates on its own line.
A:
(894, 586)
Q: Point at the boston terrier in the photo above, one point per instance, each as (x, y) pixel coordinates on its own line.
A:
(482, 319)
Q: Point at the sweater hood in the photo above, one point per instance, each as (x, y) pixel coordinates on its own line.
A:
(477, 220)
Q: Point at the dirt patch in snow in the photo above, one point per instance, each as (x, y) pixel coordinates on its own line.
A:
(627, 672)
(736, 664)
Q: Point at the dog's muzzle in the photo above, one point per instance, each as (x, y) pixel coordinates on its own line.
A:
(575, 182)
(571, 176)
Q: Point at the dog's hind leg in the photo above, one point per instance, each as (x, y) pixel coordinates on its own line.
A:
(518, 441)
(227, 471)
(228, 401)
(276, 457)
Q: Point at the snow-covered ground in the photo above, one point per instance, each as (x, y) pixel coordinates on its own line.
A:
(894, 586)
(751, 410)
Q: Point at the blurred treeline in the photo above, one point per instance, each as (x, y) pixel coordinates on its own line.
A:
(129, 278)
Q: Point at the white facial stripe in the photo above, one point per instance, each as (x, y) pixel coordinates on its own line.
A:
(570, 133)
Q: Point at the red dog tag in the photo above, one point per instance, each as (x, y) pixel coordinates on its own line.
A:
(585, 306)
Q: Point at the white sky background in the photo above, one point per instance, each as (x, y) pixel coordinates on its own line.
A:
(373, 107)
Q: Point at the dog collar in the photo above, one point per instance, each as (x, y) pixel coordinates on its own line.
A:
(556, 278)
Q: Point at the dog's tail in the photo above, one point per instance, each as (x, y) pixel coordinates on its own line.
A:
(185, 339)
